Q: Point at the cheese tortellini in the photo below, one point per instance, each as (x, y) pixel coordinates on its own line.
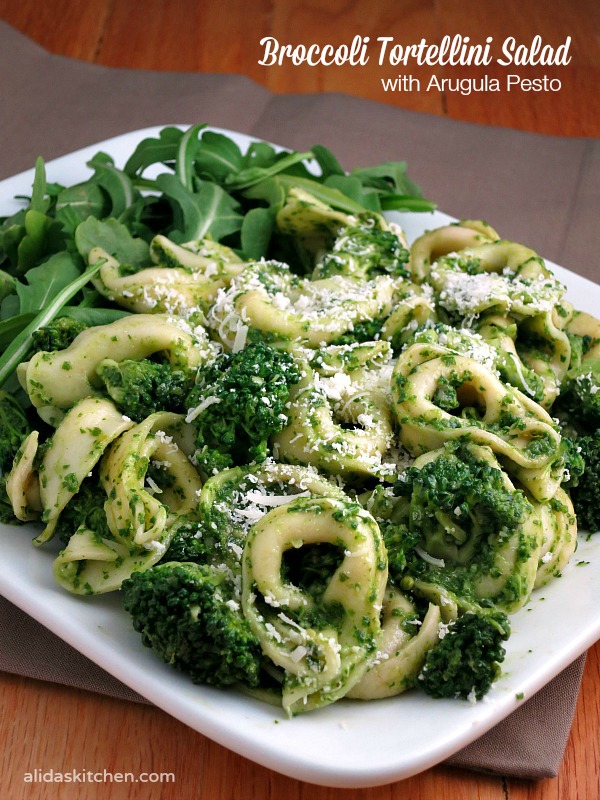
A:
(418, 473)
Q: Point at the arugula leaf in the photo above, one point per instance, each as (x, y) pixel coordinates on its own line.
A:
(76, 203)
(39, 188)
(259, 154)
(327, 194)
(45, 281)
(327, 161)
(7, 285)
(217, 157)
(9, 306)
(113, 237)
(116, 183)
(257, 229)
(400, 202)
(388, 177)
(207, 211)
(94, 316)
(186, 155)
(13, 325)
(252, 175)
(11, 234)
(20, 346)
(154, 151)
(351, 187)
(32, 246)
(272, 191)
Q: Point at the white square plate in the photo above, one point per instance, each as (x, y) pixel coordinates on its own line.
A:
(349, 744)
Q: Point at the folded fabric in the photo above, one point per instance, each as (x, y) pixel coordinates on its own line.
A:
(535, 189)
(528, 744)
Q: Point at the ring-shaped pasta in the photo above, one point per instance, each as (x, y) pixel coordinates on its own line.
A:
(362, 251)
(23, 483)
(400, 655)
(463, 341)
(547, 348)
(559, 536)
(141, 525)
(410, 313)
(449, 603)
(502, 276)
(184, 282)
(347, 358)
(505, 575)
(75, 448)
(134, 514)
(501, 255)
(311, 222)
(319, 417)
(588, 327)
(498, 563)
(235, 499)
(511, 580)
(500, 332)
(55, 381)
(321, 664)
(515, 427)
(269, 298)
(426, 250)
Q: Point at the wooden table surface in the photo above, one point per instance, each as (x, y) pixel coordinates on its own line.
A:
(46, 726)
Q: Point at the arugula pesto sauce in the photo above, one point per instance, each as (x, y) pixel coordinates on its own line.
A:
(414, 474)
(331, 653)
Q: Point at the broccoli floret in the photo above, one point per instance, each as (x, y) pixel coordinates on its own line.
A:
(139, 388)
(399, 542)
(585, 496)
(242, 397)
(467, 659)
(463, 486)
(579, 395)
(57, 335)
(364, 250)
(190, 542)
(15, 427)
(188, 614)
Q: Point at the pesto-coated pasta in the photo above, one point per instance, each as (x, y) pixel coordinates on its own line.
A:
(75, 448)
(441, 397)
(140, 514)
(401, 653)
(340, 424)
(184, 281)
(270, 300)
(55, 381)
(322, 658)
(429, 247)
(319, 469)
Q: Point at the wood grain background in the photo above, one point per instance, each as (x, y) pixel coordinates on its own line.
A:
(224, 36)
(47, 726)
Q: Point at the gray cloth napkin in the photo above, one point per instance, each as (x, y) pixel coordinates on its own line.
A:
(539, 190)
(528, 744)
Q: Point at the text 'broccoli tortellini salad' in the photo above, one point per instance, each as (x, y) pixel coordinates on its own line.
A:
(315, 462)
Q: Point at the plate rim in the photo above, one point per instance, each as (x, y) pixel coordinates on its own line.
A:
(354, 774)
